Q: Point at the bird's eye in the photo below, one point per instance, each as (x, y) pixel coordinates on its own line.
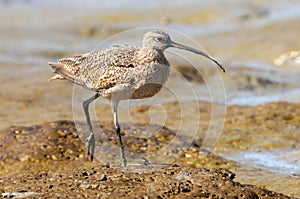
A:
(159, 39)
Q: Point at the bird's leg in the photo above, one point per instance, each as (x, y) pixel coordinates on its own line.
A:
(118, 132)
(90, 141)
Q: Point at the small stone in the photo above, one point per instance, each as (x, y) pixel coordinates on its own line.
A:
(89, 186)
(188, 155)
(85, 186)
(182, 176)
(85, 173)
(24, 158)
(53, 157)
(103, 177)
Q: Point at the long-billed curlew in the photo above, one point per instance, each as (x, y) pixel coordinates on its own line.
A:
(119, 73)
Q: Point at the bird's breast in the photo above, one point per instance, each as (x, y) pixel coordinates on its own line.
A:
(150, 79)
(150, 73)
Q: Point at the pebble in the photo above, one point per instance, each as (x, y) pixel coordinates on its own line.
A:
(17, 194)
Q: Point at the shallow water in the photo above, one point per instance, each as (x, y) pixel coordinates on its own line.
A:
(279, 161)
(278, 170)
(245, 36)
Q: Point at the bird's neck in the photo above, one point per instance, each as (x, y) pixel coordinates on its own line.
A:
(146, 54)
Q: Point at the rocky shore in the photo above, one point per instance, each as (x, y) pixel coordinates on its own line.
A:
(49, 160)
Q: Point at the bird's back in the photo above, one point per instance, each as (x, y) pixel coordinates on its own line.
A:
(127, 70)
(96, 70)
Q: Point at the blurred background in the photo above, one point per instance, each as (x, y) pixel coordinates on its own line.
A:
(256, 41)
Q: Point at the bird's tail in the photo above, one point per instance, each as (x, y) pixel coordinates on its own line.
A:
(63, 73)
(56, 76)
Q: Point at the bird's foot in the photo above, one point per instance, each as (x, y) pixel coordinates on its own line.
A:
(124, 162)
(145, 161)
(90, 142)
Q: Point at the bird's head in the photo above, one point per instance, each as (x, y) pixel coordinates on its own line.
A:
(160, 40)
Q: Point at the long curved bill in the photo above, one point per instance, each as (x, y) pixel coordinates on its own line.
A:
(180, 46)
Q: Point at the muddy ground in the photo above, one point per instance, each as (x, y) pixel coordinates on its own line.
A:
(49, 160)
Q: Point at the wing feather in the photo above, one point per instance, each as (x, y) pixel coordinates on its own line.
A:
(97, 70)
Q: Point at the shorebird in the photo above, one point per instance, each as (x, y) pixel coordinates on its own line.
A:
(119, 73)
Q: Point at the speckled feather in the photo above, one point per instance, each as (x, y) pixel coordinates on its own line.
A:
(126, 72)
(133, 67)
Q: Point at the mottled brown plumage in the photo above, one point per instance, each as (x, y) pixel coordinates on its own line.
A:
(121, 72)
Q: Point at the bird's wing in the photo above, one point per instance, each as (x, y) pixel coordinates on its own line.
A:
(97, 70)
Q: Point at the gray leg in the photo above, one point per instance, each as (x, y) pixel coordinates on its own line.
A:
(90, 141)
(118, 132)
